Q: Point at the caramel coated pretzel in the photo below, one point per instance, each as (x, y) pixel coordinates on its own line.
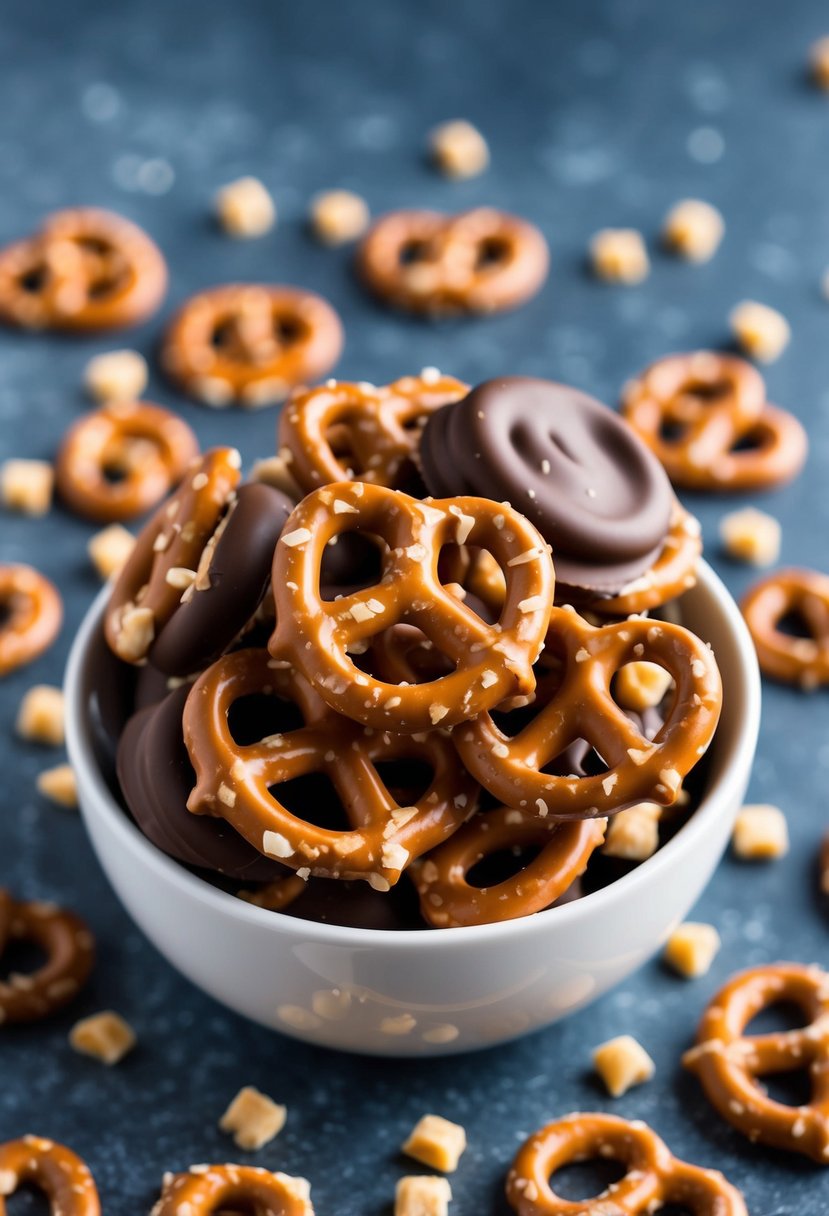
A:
(447, 898)
(240, 783)
(477, 262)
(31, 614)
(580, 705)
(146, 447)
(491, 662)
(148, 590)
(795, 660)
(209, 1189)
(59, 1173)
(69, 948)
(85, 269)
(251, 343)
(729, 1063)
(343, 432)
(654, 1178)
(715, 402)
(673, 573)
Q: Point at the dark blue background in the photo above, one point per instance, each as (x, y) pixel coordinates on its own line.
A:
(593, 113)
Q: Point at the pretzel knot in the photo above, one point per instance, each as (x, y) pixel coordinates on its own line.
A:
(342, 432)
(579, 704)
(241, 782)
(56, 1171)
(803, 594)
(31, 613)
(208, 1189)
(490, 662)
(479, 261)
(705, 417)
(85, 269)
(730, 1063)
(118, 461)
(654, 1178)
(69, 950)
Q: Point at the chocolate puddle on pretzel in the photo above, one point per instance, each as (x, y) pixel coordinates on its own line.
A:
(565, 461)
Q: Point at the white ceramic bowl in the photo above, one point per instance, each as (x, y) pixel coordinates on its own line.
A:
(427, 992)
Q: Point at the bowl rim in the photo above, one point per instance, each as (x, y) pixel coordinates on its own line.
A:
(734, 766)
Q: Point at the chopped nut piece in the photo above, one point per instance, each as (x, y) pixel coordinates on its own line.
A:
(437, 1142)
(762, 332)
(641, 685)
(117, 375)
(105, 1036)
(253, 1118)
(245, 208)
(691, 949)
(58, 785)
(27, 485)
(109, 550)
(458, 149)
(819, 62)
(619, 255)
(760, 833)
(274, 471)
(338, 216)
(693, 229)
(633, 834)
(622, 1063)
(136, 634)
(751, 536)
(40, 717)
(422, 1196)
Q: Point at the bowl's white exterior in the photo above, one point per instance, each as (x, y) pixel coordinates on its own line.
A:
(427, 992)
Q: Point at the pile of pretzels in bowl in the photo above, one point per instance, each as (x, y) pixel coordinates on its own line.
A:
(408, 672)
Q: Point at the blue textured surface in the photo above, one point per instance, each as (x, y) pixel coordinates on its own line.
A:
(603, 114)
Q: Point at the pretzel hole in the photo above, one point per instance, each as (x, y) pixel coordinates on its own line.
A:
(254, 717)
(794, 624)
(34, 281)
(28, 1200)
(289, 329)
(314, 798)
(21, 957)
(495, 868)
(492, 251)
(351, 561)
(791, 1088)
(407, 779)
(672, 431)
(580, 1181)
(750, 441)
(413, 250)
(777, 1018)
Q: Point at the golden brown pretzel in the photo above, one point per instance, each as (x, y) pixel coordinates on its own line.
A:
(84, 269)
(795, 660)
(210, 1189)
(241, 782)
(251, 343)
(580, 706)
(62, 1176)
(149, 588)
(69, 948)
(673, 572)
(654, 1178)
(119, 461)
(447, 898)
(476, 262)
(714, 403)
(730, 1064)
(31, 613)
(341, 431)
(491, 662)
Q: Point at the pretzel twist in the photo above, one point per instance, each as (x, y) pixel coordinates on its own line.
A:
(654, 1178)
(795, 660)
(579, 705)
(729, 1063)
(69, 949)
(31, 614)
(59, 1173)
(491, 662)
(241, 782)
(209, 1189)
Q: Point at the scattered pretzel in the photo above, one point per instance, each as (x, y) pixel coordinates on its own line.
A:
(730, 1063)
(85, 269)
(251, 343)
(795, 660)
(480, 261)
(579, 705)
(491, 662)
(448, 898)
(240, 783)
(56, 1171)
(208, 1189)
(339, 431)
(66, 941)
(673, 572)
(119, 461)
(655, 1178)
(714, 403)
(167, 554)
(31, 613)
